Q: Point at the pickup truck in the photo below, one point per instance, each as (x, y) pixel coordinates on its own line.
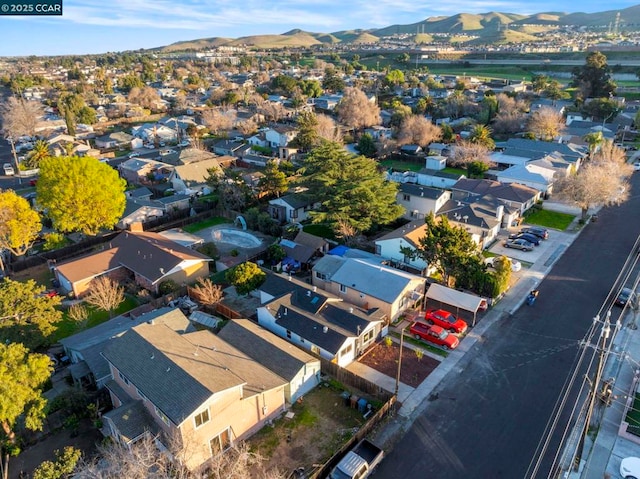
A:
(359, 462)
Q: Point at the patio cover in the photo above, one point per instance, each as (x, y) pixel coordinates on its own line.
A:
(457, 299)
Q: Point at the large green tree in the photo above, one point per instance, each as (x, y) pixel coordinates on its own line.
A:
(444, 247)
(274, 182)
(80, 194)
(593, 79)
(19, 223)
(22, 375)
(350, 188)
(27, 316)
(308, 135)
(245, 277)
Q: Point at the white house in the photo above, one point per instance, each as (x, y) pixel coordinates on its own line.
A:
(280, 136)
(418, 201)
(291, 208)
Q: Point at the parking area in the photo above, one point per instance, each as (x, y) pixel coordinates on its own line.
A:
(547, 247)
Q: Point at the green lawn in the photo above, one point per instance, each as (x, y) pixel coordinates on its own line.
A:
(319, 230)
(454, 171)
(402, 165)
(216, 220)
(67, 326)
(633, 417)
(550, 219)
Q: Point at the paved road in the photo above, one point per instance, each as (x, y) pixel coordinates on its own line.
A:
(491, 413)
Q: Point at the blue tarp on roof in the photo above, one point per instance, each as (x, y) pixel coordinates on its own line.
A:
(339, 250)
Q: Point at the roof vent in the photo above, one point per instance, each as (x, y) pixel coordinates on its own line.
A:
(351, 310)
(325, 329)
(309, 293)
(285, 311)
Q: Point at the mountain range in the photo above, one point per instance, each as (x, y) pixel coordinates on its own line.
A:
(463, 28)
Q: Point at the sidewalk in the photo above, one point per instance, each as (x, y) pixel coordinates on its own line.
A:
(416, 400)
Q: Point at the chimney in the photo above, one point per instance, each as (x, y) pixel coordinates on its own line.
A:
(351, 310)
(499, 212)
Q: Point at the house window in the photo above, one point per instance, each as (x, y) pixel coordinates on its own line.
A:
(294, 213)
(123, 378)
(378, 249)
(343, 288)
(288, 334)
(302, 340)
(346, 350)
(321, 276)
(162, 416)
(202, 418)
(368, 336)
(220, 443)
(406, 197)
(142, 396)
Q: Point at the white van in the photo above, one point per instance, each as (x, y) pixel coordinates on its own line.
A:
(8, 169)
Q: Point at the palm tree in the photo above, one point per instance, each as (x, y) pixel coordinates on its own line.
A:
(594, 140)
(481, 134)
(40, 152)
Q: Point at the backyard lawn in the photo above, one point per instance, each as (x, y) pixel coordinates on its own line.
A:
(550, 219)
(68, 326)
(399, 165)
(323, 231)
(216, 220)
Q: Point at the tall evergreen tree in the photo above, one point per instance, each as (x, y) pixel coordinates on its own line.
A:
(593, 79)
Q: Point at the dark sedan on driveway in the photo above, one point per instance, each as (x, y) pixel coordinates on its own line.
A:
(538, 231)
(626, 296)
(520, 243)
(526, 236)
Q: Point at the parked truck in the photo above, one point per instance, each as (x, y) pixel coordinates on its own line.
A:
(359, 461)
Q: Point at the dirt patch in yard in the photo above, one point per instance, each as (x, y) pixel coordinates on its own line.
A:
(413, 370)
(321, 424)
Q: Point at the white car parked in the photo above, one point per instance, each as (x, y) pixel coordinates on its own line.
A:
(8, 169)
(630, 468)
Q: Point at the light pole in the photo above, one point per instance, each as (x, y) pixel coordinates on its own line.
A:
(399, 363)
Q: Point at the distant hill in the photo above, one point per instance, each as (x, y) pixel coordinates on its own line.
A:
(492, 27)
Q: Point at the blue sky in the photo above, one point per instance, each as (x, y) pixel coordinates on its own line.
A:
(92, 26)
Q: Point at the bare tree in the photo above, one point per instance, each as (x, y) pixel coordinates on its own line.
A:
(105, 294)
(78, 313)
(417, 130)
(356, 111)
(144, 459)
(247, 127)
(508, 122)
(328, 129)
(466, 152)
(19, 118)
(273, 111)
(507, 104)
(546, 123)
(146, 97)
(207, 292)
(601, 181)
(219, 120)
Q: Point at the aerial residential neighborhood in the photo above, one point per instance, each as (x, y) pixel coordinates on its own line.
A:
(310, 255)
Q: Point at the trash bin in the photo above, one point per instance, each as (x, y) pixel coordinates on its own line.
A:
(346, 396)
(354, 401)
(362, 405)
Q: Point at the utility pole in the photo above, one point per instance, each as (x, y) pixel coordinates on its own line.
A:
(593, 392)
(399, 363)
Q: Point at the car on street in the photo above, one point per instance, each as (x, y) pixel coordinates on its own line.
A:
(626, 296)
(446, 320)
(531, 238)
(538, 231)
(630, 468)
(519, 243)
(8, 169)
(636, 166)
(33, 182)
(434, 334)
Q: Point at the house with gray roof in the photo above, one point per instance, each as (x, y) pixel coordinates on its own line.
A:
(513, 196)
(367, 283)
(418, 201)
(300, 369)
(193, 386)
(292, 208)
(84, 349)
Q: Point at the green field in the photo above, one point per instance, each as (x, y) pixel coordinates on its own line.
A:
(550, 219)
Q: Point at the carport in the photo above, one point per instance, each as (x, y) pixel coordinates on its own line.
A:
(455, 298)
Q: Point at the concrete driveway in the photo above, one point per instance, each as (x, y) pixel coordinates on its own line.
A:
(544, 250)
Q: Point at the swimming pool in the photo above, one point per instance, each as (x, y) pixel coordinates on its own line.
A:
(242, 239)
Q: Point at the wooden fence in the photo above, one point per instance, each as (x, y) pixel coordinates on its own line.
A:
(348, 378)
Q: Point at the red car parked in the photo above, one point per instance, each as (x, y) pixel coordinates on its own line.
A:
(435, 335)
(445, 320)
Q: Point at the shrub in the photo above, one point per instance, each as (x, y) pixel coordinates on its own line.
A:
(210, 249)
(167, 286)
(54, 241)
(245, 277)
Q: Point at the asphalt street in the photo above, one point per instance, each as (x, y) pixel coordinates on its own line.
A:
(487, 418)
